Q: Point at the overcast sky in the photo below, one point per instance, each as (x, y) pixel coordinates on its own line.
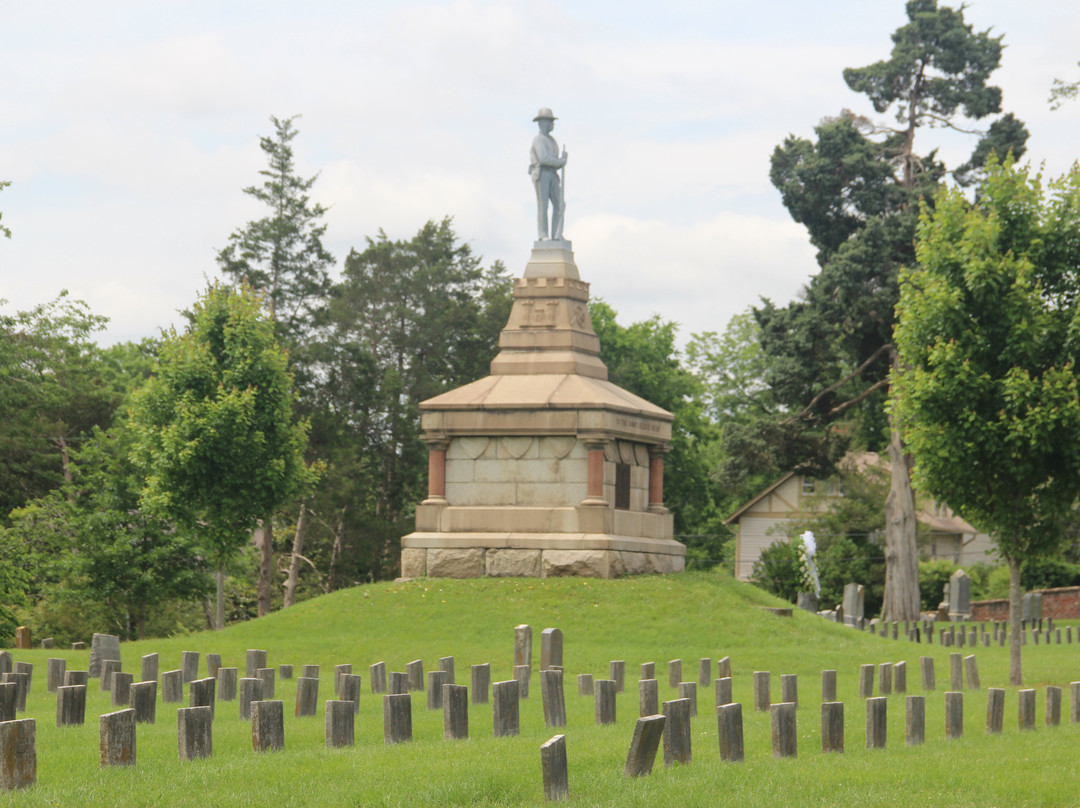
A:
(128, 130)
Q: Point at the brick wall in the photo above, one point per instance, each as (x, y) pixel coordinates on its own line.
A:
(1062, 603)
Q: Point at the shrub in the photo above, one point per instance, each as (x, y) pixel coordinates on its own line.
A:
(933, 576)
(777, 570)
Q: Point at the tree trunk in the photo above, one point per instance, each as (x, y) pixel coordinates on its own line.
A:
(264, 540)
(901, 544)
(219, 617)
(335, 553)
(65, 458)
(294, 562)
(1015, 675)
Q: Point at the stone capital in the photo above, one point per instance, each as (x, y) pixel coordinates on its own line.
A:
(436, 441)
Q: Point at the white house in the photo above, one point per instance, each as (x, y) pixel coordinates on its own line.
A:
(771, 515)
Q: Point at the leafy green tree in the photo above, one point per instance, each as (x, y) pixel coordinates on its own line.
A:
(53, 391)
(857, 190)
(732, 369)
(643, 358)
(988, 334)
(95, 553)
(215, 435)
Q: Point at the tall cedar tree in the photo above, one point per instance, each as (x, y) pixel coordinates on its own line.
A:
(282, 257)
(215, 434)
(857, 190)
(988, 333)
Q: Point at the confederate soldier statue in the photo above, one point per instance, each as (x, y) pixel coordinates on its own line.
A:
(544, 164)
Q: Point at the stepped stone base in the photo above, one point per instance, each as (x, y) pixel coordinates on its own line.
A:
(498, 562)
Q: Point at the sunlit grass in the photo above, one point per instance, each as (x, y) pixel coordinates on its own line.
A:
(639, 619)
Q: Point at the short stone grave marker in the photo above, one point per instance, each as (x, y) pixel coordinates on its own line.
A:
(116, 732)
(267, 724)
(643, 746)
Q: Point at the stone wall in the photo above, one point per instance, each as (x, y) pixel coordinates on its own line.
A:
(520, 470)
(537, 471)
(1062, 603)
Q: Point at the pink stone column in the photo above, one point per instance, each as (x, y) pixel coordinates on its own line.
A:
(656, 478)
(594, 487)
(436, 471)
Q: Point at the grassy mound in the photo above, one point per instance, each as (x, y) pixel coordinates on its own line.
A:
(655, 618)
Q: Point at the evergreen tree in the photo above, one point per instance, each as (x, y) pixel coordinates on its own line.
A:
(282, 257)
(857, 190)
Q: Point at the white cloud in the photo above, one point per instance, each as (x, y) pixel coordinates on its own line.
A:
(698, 275)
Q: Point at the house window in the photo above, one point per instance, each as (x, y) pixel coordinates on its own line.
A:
(809, 485)
(622, 486)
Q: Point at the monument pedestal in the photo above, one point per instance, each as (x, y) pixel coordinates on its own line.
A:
(544, 468)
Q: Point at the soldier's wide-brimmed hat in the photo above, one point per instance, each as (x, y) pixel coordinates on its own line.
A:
(545, 113)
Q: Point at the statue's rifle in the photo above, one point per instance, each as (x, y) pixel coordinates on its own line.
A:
(562, 182)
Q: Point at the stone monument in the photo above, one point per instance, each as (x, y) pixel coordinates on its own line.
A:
(544, 468)
(959, 596)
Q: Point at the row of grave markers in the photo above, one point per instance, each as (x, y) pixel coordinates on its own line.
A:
(194, 722)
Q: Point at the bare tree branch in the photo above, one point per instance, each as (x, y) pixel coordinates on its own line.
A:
(857, 372)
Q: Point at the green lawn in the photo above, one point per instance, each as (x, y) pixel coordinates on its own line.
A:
(639, 619)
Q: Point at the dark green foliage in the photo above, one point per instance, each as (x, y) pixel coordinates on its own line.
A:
(938, 65)
(1048, 573)
(835, 184)
(410, 319)
(933, 577)
(857, 188)
(1006, 136)
(644, 359)
(777, 570)
(853, 558)
(52, 394)
(214, 435)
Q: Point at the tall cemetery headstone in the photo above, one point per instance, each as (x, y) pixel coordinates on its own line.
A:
(551, 648)
(730, 732)
(102, 647)
(523, 645)
(144, 701)
(226, 684)
(854, 599)
(959, 595)
(456, 712)
(648, 697)
(481, 682)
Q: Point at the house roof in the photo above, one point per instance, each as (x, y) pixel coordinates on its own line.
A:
(751, 503)
(859, 462)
